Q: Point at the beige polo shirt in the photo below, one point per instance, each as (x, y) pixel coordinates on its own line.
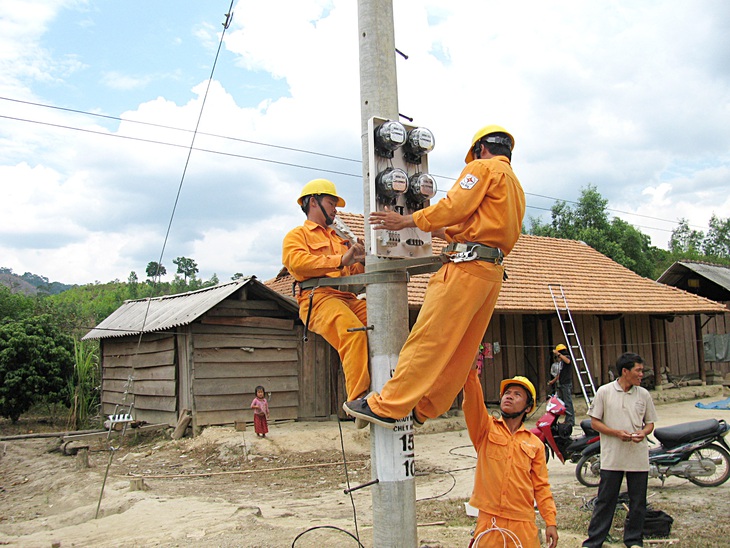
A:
(629, 411)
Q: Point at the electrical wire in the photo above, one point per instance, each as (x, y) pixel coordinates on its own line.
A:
(229, 15)
(187, 147)
(281, 147)
(174, 128)
(326, 527)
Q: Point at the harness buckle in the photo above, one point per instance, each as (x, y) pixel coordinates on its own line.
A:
(464, 256)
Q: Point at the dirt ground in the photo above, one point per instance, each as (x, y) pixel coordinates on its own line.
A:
(266, 492)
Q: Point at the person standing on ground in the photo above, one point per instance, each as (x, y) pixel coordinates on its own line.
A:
(555, 368)
(623, 413)
(482, 217)
(260, 406)
(565, 382)
(314, 250)
(511, 473)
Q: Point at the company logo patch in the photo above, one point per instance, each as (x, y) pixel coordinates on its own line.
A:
(468, 182)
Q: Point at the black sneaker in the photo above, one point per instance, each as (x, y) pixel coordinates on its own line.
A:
(361, 410)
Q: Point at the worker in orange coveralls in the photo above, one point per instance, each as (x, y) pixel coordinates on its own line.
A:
(511, 473)
(482, 215)
(314, 250)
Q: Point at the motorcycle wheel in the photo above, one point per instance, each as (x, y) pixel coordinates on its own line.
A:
(722, 470)
(588, 470)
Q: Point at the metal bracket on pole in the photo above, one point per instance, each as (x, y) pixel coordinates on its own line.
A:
(396, 276)
(367, 484)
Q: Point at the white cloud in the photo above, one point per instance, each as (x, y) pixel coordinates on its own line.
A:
(632, 98)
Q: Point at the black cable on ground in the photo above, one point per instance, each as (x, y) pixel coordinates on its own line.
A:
(347, 478)
(326, 527)
(453, 484)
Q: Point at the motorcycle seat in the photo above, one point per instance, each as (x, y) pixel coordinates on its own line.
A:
(585, 425)
(671, 436)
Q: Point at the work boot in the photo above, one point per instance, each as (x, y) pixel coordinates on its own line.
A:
(362, 423)
(361, 410)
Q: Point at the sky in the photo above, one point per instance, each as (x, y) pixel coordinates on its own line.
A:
(100, 101)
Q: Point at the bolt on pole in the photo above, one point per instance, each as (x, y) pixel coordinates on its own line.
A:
(394, 496)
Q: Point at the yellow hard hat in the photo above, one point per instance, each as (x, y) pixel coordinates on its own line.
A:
(486, 130)
(560, 347)
(321, 186)
(524, 382)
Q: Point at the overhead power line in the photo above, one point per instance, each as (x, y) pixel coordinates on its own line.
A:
(267, 160)
(175, 128)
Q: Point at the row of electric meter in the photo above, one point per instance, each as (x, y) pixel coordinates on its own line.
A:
(400, 182)
(418, 187)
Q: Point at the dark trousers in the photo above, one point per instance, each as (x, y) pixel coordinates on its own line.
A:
(608, 491)
(565, 393)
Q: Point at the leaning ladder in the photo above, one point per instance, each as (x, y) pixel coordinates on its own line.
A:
(573, 342)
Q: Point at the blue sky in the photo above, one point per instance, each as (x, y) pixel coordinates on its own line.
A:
(630, 97)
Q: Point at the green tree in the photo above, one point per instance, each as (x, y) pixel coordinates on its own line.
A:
(685, 240)
(133, 285)
(717, 240)
(588, 221)
(14, 305)
(155, 270)
(36, 361)
(237, 276)
(187, 267)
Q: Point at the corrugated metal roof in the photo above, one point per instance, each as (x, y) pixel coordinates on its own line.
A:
(594, 284)
(160, 313)
(716, 273)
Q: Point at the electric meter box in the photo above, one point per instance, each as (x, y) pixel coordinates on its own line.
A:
(399, 181)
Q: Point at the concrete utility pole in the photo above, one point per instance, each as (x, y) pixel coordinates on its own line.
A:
(393, 465)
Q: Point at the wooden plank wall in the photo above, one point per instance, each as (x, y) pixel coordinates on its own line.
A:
(318, 363)
(612, 346)
(638, 336)
(718, 325)
(233, 355)
(682, 344)
(682, 348)
(152, 364)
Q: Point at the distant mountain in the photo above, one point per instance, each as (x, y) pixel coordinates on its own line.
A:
(30, 284)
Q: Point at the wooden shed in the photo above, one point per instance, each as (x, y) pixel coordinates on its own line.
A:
(206, 351)
(615, 310)
(713, 282)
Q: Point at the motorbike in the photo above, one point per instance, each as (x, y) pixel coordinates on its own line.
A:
(557, 436)
(696, 451)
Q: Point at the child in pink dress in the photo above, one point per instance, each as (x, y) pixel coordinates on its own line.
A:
(260, 412)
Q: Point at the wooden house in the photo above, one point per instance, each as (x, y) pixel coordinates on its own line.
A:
(205, 351)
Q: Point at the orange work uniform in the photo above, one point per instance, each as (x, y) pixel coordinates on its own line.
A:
(510, 475)
(486, 206)
(313, 251)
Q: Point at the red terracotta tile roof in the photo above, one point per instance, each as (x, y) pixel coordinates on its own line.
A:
(592, 282)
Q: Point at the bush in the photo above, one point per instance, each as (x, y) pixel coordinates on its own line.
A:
(36, 361)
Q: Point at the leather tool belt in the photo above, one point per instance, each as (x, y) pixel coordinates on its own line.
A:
(469, 251)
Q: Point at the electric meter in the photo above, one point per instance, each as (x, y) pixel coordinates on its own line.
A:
(399, 182)
(421, 188)
(420, 141)
(388, 137)
(390, 184)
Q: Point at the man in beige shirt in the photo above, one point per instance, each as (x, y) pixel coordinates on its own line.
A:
(623, 413)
